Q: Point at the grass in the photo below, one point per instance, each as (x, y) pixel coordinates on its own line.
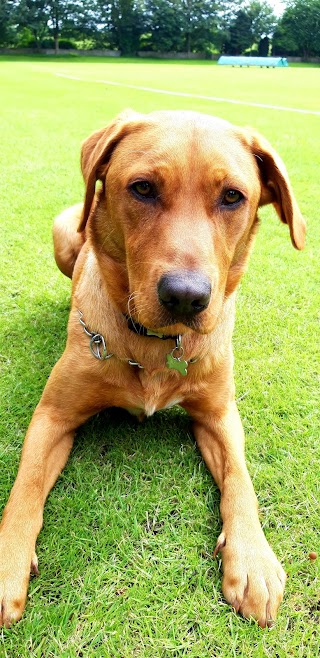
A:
(126, 550)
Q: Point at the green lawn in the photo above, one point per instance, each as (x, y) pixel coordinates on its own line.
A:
(125, 555)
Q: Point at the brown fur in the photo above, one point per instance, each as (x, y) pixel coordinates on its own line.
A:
(116, 248)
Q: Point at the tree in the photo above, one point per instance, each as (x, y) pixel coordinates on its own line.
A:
(59, 11)
(164, 23)
(199, 24)
(252, 23)
(226, 14)
(240, 38)
(74, 18)
(85, 20)
(55, 17)
(126, 24)
(181, 25)
(5, 23)
(299, 28)
(34, 15)
(264, 45)
(283, 42)
(263, 20)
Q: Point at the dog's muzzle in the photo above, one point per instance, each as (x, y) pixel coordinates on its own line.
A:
(184, 293)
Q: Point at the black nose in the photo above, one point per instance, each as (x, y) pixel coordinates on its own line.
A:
(184, 293)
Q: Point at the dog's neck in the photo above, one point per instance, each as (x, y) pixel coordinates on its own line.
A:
(174, 360)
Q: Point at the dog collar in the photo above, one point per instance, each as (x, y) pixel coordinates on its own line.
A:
(98, 348)
(139, 329)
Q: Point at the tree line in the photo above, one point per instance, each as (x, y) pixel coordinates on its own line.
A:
(191, 26)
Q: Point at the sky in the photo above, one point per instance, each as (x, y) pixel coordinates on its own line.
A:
(277, 7)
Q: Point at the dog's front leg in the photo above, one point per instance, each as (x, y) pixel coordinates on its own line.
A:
(45, 451)
(253, 580)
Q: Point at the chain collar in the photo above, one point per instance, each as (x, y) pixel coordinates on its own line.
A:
(98, 348)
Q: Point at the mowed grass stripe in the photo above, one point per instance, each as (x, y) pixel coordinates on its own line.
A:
(214, 99)
(291, 87)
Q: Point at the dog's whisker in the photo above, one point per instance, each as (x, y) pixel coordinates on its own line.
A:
(131, 300)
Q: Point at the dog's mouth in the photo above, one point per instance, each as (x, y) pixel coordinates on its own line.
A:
(160, 332)
(164, 324)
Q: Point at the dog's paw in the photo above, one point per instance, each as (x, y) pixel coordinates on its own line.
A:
(253, 578)
(14, 579)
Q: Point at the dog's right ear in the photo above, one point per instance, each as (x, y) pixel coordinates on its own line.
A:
(96, 151)
(276, 187)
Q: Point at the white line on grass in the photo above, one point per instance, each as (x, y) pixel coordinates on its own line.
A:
(185, 95)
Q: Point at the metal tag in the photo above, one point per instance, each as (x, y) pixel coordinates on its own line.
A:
(177, 364)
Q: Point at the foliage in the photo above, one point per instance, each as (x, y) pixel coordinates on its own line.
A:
(181, 25)
(164, 24)
(239, 34)
(5, 10)
(65, 44)
(55, 18)
(251, 24)
(199, 19)
(284, 42)
(230, 26)
(299, 29)
(126, 25)
(33, 15)
(263, 20)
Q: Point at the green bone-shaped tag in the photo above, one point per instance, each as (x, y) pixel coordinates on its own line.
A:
(177, 364)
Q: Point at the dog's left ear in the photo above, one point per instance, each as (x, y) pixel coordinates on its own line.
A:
(276, 187)
(96, 153)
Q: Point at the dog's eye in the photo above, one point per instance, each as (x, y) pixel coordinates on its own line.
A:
(143, 189)
(231, 197)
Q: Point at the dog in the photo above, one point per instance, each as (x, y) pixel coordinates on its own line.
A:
(155, 253)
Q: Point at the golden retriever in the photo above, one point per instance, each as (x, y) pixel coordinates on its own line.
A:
(155, 254)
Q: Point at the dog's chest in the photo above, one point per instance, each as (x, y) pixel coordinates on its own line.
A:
(154, 393)
(150, 408)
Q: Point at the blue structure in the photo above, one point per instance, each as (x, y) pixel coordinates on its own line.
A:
(269, 62)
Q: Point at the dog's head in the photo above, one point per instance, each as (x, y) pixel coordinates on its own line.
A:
(174, 220)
